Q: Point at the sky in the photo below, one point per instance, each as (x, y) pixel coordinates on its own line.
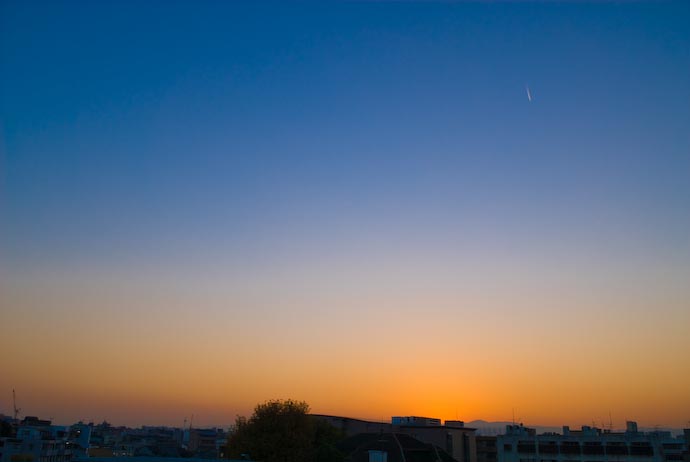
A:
(206, 205)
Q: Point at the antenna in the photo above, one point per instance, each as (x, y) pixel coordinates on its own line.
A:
(191, 421)
(14, 404)
(610, 422)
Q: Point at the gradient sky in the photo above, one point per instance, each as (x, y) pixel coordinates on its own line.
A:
(204, 205)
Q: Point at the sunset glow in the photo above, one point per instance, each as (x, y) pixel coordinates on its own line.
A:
(355, 205)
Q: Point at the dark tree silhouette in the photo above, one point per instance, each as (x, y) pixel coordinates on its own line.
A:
(283, 431)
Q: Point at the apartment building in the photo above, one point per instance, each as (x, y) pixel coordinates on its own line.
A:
(590, 444)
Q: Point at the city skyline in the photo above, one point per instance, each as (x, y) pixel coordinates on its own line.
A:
(445, 209)
(607, 424)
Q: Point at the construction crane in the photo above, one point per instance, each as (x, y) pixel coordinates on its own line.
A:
(14, 404)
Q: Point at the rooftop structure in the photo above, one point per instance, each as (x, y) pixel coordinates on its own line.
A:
(391, 447)
(414, 421)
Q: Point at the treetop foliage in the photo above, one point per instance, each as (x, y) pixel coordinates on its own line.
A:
(283, 431)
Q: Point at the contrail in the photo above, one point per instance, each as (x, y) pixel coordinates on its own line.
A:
(529, 93)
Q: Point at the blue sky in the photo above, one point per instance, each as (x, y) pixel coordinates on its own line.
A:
(125, 123)
(221, 146)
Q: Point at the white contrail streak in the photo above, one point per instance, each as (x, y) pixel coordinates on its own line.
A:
(529, 93)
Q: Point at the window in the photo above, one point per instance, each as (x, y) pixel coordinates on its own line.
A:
(616, 449)
(527, 447)
(548, 448)
(593, 448)
(641, 449)
(570, 447)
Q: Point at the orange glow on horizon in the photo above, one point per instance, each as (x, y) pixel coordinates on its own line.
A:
(150, 361)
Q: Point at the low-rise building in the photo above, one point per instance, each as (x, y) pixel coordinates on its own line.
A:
(453, 437)
(590, 444)
(37, 440)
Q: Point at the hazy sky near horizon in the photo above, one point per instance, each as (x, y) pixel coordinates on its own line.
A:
(206, 205)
